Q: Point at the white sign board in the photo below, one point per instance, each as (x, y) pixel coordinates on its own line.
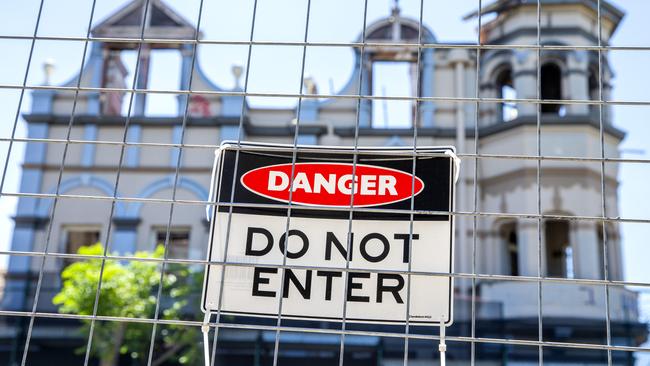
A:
(315, 279)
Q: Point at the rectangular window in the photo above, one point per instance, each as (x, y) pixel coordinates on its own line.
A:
(393, 79)
(179, 241)
(164, 73)
(78, 236)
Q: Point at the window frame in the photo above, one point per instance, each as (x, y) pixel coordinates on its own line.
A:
(157, 229)
(65, 235)
(411, 61)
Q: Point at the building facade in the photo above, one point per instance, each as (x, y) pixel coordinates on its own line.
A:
(504, 246)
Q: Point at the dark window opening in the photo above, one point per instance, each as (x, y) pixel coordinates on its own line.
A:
(179, 241)
(593, 84)
(510, 241)
(505, 90)
(393, 79)
(559, 254)
(76, 238)
(551, 87)
(593, 88)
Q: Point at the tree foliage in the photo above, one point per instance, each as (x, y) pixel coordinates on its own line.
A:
(129, 289)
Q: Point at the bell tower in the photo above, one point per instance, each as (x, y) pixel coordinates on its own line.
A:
(152, 20)
(563, 74)
(569, 248)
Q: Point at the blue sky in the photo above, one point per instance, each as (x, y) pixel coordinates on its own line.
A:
(276, 69)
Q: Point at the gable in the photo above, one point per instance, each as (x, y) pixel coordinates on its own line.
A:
(129, 18)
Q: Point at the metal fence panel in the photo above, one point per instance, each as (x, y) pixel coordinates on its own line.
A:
(471, 304)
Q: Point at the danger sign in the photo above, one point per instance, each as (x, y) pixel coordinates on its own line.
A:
(283, 226)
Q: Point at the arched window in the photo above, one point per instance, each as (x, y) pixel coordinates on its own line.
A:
(559, 253)
(505, 90)
(508, 235)
(551, 85)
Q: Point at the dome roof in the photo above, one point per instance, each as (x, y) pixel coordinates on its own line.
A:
(396, 28)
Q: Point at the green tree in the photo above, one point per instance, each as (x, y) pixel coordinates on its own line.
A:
(129, 289)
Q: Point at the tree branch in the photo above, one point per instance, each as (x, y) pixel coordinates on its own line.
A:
(167, 354)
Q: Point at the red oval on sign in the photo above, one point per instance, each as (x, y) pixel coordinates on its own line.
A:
(330, 184)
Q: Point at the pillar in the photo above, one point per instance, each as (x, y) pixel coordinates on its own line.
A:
(132, 153)
(175, 153)
(427, 108)
(462, 244)
(587, 250)
(489, 112)
(142, 80)
(576, 85)
(528, 248)
(365, 110)
(490, 253)
(19, 277)
(96, 67)
(88, 151)
(27, 222)
(524, 79)
(186, 71)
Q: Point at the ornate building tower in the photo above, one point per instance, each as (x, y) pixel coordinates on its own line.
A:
(572, 187)
(506, 245)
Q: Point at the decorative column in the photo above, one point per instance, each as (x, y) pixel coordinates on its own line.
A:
(365, 110)
(490, 253)
(614, 253)
(233, 105)
(309, 107)
(132, 154)
(489, 112)
(27, 222)
(524, 79)
(587, 250)
(577, 81)
(607, 95)
(175, 153)
(528, 248)
(427, 108)
(458, 60)
(186, 71)
(142, 80)
(19, 275)
(88, 150)
(96, 67)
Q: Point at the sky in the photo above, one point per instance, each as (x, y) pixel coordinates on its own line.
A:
(276, 69)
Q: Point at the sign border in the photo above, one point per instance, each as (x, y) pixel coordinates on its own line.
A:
(212, 211)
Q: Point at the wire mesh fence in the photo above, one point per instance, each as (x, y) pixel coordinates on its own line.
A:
(539, 269)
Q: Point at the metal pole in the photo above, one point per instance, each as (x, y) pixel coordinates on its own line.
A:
(460, 195)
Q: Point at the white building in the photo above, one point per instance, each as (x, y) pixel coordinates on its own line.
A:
(504, 246)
